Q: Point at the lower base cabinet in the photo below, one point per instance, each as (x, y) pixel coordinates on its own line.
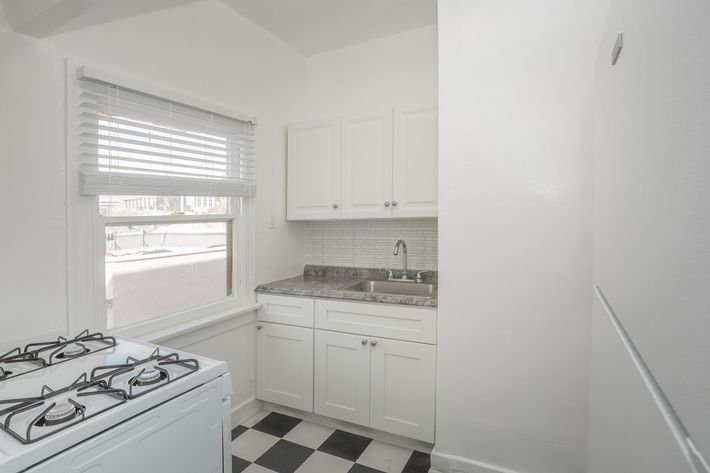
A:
(342, 376)
(284, 365)
(384, 384)
(402, 388)
(310, 357)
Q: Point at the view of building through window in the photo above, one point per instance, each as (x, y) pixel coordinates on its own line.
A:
(142, 205)
(156, 270)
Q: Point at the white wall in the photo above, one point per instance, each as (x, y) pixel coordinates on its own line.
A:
(204, 49)
(652, 225)
(396, 70)
(514, 234)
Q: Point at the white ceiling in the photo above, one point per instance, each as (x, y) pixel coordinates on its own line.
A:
(42, 18)
(314, 26)
(310, 26)
(111, 10)
(3, 21)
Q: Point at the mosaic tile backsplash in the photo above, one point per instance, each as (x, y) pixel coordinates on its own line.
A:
(369, 243)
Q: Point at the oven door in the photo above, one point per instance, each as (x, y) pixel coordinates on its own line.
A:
(183, 435)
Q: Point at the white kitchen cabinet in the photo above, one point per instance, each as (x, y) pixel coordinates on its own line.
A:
(342, 376)
(368, 364)
(382, 164)
(285, 365)
(402, 388)
(415, 163)
(314, 150)
(366, 170)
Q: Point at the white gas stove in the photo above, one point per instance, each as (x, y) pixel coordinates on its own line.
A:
(111, 404)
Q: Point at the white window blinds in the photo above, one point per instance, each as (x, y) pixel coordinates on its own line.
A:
(132, 143)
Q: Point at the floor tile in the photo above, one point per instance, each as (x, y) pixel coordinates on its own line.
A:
(253, 420)
(385, 457)
(254, 468)
(237, 431)
(252, 444)
(345, 445)
(321, 462)
(284, 457)
(309, 434)
(276, 424)
(239, 464)
(418, 463)
(362, 469)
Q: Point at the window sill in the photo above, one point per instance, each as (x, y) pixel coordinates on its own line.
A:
(159, 336)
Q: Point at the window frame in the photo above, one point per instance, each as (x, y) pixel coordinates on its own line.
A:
(85, 238)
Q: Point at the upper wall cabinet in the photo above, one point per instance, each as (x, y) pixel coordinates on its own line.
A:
(386, 165)
(415, 163)
(314, 170)
(366, 166)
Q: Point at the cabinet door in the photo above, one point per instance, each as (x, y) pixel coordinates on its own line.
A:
(366, 175)
(342, 376)
(402, 399)
(284, 365)
(314, 170)
(416, 149)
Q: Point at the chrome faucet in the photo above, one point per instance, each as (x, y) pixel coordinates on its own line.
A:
(404, 256)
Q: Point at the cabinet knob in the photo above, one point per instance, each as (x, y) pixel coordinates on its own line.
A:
(258, 327)
(387, 203)
(394, 203)
(364, 341)
(335, 206)
(373, 343)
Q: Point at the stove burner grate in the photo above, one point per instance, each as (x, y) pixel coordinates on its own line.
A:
(16, 356)
(150, 377)
(55, 416)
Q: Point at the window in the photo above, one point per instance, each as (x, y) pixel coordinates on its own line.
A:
(170, 185)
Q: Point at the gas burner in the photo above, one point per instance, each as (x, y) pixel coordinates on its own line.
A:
(139, 377)
(62, 412)
(31, 419)
(72, 350)
(148, 377)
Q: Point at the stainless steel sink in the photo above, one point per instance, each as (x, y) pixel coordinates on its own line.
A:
(396, 287)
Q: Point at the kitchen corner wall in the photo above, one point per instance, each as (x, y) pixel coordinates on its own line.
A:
(370, 243)
(395, 70)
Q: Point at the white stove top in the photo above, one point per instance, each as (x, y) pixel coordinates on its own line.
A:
(132, 372)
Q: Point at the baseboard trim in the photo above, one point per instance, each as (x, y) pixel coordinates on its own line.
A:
(394, 439)
(446, 463)
(245, 410)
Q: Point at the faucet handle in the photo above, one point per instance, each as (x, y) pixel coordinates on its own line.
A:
(390, 275)
(419, 276)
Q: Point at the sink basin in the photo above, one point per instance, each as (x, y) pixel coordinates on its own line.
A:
(396, 287)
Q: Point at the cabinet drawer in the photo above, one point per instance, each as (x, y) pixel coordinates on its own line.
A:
(415, 324)
(285, 310)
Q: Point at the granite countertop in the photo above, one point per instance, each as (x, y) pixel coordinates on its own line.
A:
(332, 282)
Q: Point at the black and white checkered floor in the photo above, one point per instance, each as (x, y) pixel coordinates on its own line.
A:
(270, 442)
